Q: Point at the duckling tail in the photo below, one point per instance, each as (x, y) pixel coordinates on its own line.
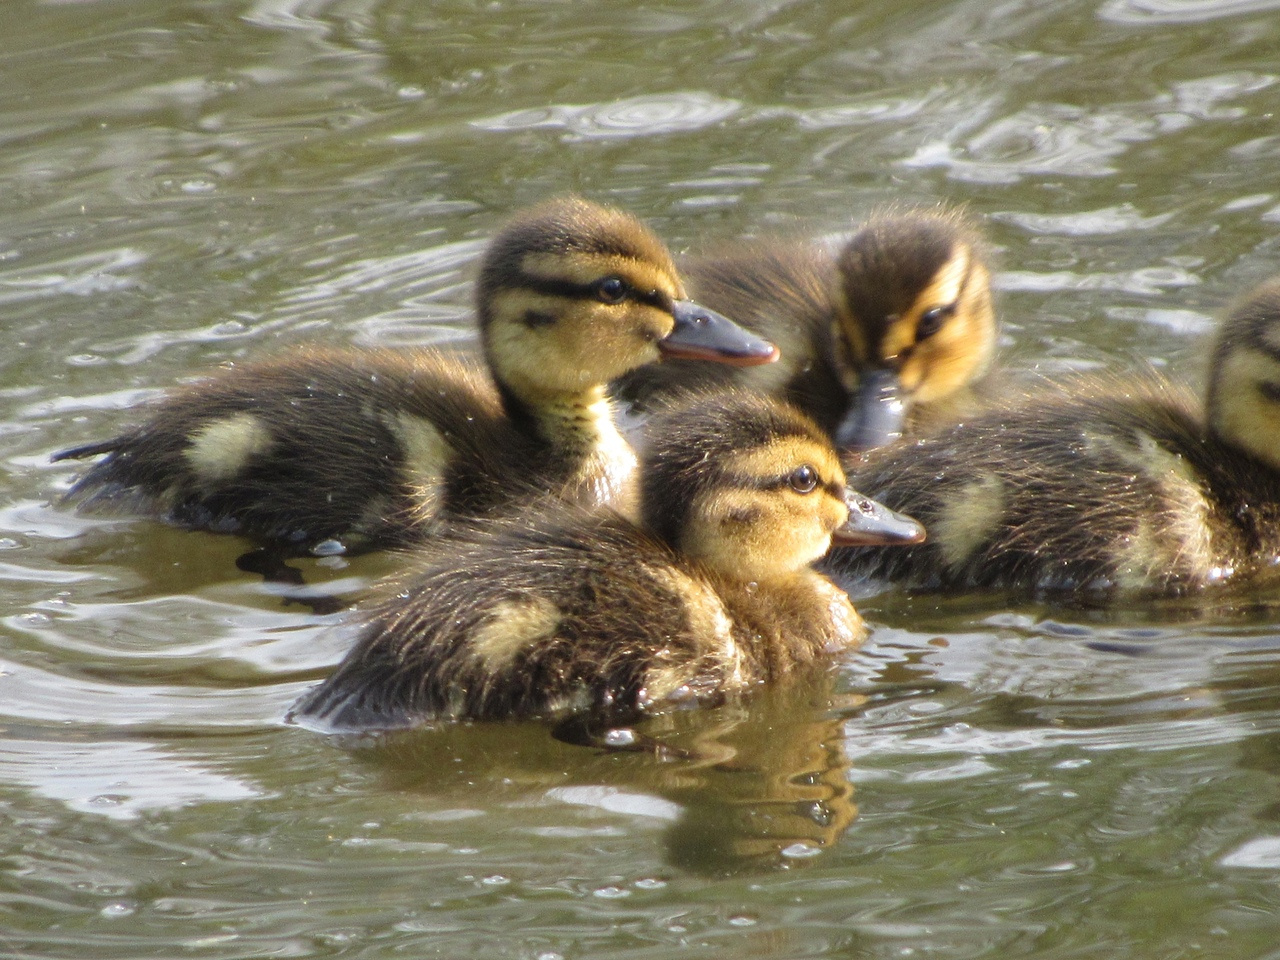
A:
(86, 450)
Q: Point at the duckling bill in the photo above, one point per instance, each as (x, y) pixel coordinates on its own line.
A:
(325, 449)
(889, 330)
(578, 612)
(1106, 484)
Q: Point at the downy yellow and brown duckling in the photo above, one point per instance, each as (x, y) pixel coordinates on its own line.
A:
(353, 449)
(887, 330)
(588, 612)
(1107, 485)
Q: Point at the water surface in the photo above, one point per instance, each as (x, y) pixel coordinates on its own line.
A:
(188, 183)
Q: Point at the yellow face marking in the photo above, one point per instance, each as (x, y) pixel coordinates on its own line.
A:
(936, 365)
(780, 457)
(948, 282)
(761, 535)
(221, 449)
(426, 458)
(959, 351)
(748, 533)
(589, 344)
(512, 627)
(968, 517)
(851, 341)
(942, 291)
(1241, 413)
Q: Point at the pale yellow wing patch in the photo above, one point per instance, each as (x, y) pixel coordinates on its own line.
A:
(511, 628)
(1184, 521)
(220, 450)
(426, 458)
(968, 518)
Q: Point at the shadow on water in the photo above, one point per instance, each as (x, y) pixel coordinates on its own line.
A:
(751, 785)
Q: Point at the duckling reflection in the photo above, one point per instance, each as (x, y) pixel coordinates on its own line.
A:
(324, 449)
(750, 785)
(569, 613)
(886, 335)
(1107, 484)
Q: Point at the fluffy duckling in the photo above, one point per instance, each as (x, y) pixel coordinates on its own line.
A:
(577, 612)
(886, 329)
(1110, 485)
(335, 449)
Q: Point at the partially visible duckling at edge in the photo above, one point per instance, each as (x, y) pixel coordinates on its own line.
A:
(579, 612)
(887, 331)
(1114, 485)
(370, 448)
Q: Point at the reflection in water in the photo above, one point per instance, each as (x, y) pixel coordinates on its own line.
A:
(748, 785)
(114, 778)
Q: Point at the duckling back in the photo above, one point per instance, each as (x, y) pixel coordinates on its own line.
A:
(279, 449)
(569, 614)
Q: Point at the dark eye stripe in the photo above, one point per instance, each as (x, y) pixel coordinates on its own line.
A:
(552, 287)
(781, 483)
(1270, 350)
(556, 288)
(1270, 390)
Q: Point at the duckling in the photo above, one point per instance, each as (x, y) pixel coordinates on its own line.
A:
(588, 613)
(325, 450)
(1110, 485)
(889, 328)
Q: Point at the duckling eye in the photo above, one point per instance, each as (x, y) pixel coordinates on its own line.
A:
(611, 290)
(803, 479)
(931, 321)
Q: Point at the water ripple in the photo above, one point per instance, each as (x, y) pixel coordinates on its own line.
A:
(82, 275)
(1145, 12)
(1042, 139)
(633, 117)
(1117, 219)
(1068, 140)
(874, 109)
(1147, 281)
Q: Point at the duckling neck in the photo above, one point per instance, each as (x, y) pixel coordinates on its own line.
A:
(597, 463)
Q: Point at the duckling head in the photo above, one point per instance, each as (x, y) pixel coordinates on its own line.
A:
(914, 317)
(1243, 402)
(752, 488)
(572, 295)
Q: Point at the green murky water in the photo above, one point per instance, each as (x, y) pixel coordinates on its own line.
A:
(193, 181)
